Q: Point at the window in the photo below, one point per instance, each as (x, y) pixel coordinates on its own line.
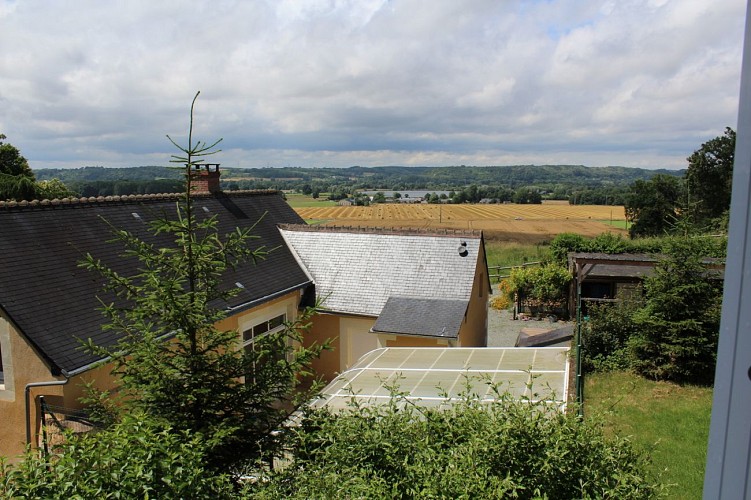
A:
(260, 330)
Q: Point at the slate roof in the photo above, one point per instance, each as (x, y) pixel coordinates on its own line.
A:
(53, 301)
(356, 271)
(425, 317)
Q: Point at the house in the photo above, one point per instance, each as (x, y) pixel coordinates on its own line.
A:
(392, 288)
(49, 305)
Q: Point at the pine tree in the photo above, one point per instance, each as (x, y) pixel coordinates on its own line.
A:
(173, 363)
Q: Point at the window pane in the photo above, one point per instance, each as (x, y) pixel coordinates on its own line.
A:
(275, 322)
(260, 328)
(248, 335)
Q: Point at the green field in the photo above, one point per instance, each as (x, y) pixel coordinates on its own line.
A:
(668, 420)
(620, 224)
(295, 200)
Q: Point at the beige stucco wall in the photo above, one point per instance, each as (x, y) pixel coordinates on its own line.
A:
(21, 366)
(474, 329)
(324, 327)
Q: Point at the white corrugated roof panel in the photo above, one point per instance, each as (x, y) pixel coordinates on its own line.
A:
(431, 376)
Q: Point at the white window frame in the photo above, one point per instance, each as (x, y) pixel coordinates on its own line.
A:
(279, 322)
(273, 324)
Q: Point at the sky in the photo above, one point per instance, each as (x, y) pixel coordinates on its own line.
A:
(329, 83)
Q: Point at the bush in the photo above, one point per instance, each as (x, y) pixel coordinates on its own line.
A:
(136, 458)
(470, 450)
(546, 285)
(503, 299)
(605, 336)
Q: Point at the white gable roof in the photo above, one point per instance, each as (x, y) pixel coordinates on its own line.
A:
(356, 272)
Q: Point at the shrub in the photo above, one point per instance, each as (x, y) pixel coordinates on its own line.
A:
(565, 243)
(547, 285)
(605, 336)
(503, 299)
(135, 458)
(470, 450)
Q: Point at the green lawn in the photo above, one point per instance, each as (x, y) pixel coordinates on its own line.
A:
(621, 224)
(668, 420)
(295, 200)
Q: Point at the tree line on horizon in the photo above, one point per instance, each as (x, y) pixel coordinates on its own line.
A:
(656, 201)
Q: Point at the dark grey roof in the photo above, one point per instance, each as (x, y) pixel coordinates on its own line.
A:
(53, 301)
(426, 317)
(619, 271)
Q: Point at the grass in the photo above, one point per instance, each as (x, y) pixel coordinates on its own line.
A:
(295, 200)
(668, 420)
(620, 224)
(500, 253)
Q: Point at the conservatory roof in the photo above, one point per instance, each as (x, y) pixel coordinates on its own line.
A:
(435, 376)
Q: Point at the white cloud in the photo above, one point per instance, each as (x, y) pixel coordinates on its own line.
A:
(413, 82)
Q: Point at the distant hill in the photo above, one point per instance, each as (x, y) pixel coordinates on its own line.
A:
(385, 177)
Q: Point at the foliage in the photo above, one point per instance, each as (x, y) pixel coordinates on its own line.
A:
(172, 361)
(11, 161)
(616, 244)
(53, 188)
(606, 334)
(466, 450)
(527, 196)
(17, 180)
(17, 187)
(678, 327)
(709, 177)
(652, 206)
(136, 458)
(546, 284)
(503, 299)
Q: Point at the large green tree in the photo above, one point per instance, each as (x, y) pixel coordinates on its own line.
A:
(11, 161)
(678, 327)
(173, 363)
(652, 206)
(16, 177)
(709, 177)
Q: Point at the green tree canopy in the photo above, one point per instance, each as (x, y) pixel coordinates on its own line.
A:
(652, 206)
(679, 325)
(11, 161)
(710, 176)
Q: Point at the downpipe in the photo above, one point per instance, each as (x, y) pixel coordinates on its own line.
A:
(27, 391)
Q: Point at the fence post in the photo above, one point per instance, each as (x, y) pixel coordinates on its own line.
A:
(43, 425)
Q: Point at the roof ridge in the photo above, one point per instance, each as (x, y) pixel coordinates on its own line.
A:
(405, 231)
(98, 200)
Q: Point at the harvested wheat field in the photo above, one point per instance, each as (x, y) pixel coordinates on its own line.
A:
(507, 222)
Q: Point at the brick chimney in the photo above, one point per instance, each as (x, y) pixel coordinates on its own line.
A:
(206, 178)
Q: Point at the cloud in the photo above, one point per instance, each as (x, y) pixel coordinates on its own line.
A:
(316, 83)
